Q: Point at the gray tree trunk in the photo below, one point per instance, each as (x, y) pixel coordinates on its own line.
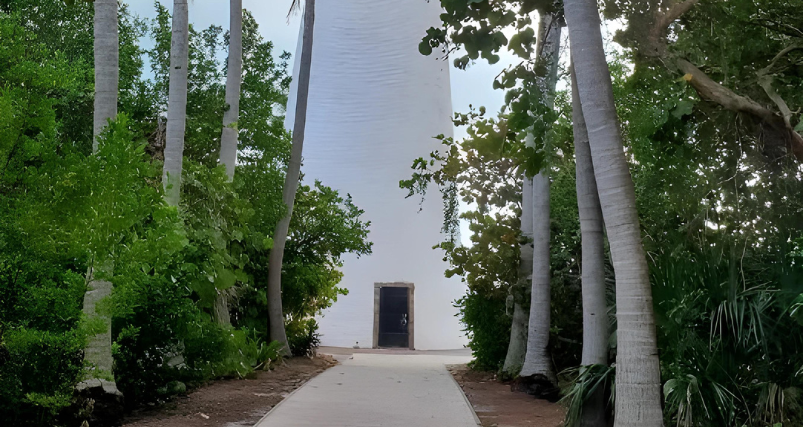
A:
(107, 69)
(537, 361)
(638, 379)
(98, 352)
(514, 359)
(595, 309)
(517, 347)
(99, 380)
(176, 103)
(275, 314)
(229, 137)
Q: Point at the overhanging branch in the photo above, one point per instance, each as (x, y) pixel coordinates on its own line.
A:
(655, 45)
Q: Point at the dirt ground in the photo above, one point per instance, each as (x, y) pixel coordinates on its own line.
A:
(497, 406)
(233, 403)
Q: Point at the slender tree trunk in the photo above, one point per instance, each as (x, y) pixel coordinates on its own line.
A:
(517, 347)
(176, 103)
(638, 377)
(99, 348)
(100, 386)
(106, 51)
(275, 314)
(220, 310)
(107, 69)
(595, 309)
(98, 352)
(229, 136)
(538, 368)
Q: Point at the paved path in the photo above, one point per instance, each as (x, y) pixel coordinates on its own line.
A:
(388, 390)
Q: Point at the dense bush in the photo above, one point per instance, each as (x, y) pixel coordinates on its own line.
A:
(487, 327)
(64, 209)
(303, 337)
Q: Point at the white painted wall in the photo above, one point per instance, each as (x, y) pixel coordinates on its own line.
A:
(375, 105)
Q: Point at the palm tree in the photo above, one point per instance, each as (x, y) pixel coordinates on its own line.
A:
(275, 315)
(228, 139)
(107, 69)
(537, 367)
(595, 309)
(517, 346)
(106, 51)
(638, 379)
(176, 103)
(98, 351)
(229, 136)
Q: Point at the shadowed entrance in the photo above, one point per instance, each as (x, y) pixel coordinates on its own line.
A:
(393, 315)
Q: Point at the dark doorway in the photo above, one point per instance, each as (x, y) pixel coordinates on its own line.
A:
(393, 318)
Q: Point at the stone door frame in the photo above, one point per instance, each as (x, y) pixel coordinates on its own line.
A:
(410, 310)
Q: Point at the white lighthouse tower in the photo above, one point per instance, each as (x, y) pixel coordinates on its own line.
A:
(375, 105)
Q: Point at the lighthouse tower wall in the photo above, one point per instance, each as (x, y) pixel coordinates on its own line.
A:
(375, 105)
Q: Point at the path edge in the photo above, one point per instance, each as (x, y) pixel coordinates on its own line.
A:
(462, 393)
(294, 392)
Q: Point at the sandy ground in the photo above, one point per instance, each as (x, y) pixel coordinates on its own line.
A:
(233, 403)
(497, 406)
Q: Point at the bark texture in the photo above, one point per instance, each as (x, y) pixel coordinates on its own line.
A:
(99, 382)
(98, 393)
(98, 349)
(276, 316)
(107, 69)
(538, 371)
(638, 382)
(592, 264)
(220, 310)
(176, 103)
(517, 347)
(229, 138)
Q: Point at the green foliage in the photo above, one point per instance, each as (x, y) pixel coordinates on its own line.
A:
(63, 209)
(717, 194)
(303, 337)
(586, 381)
(487, 328)
(38, 370)
(486, 171)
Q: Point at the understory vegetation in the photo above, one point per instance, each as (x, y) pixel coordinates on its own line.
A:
(718, 194)
(64, 209)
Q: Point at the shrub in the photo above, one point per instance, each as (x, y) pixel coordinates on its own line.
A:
(487, 327)
(303, 337)
(37, 372)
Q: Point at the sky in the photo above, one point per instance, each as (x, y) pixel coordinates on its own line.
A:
(472, 86)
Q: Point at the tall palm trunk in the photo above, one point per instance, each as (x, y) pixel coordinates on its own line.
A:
(275, 314)
(229, 136)
(99, 386)
(537, 361)
(176, 103)
(638, 379)
(98, 352)
(107, 69)
(595, 309)
(517, 347)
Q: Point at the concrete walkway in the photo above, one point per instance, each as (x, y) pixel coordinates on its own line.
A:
(388, 390)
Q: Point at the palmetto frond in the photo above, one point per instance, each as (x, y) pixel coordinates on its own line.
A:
(294, 8)
(587, 381)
